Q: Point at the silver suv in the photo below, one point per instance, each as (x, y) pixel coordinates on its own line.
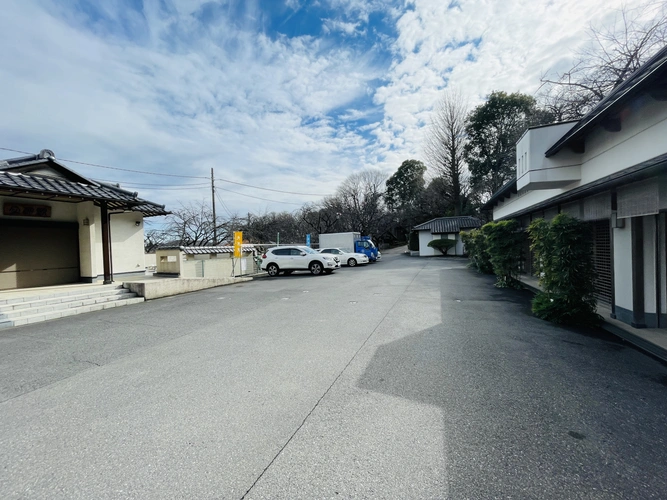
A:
(288, 259)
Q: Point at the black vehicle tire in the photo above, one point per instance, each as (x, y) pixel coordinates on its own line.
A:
(316, 268)
(287, 273)
(273, 270)
(328, 271)
(352, 262)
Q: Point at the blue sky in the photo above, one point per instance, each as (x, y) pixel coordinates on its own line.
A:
(290, 95)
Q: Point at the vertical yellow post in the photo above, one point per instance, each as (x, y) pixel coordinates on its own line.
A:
(238, 241)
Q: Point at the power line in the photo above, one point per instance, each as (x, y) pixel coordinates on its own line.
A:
(269, 189)
(258, 198)
(144, 184)
(97, 165)
(224, 205)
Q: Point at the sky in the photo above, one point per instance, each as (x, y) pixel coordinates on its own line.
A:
(291, 96)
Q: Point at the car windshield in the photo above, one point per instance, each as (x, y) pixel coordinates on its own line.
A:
(307, 250)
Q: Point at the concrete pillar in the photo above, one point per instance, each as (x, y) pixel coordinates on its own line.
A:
(87, 218)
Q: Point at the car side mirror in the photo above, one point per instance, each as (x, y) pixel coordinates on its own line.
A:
(303, 254)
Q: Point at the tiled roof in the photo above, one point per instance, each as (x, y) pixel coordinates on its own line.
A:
(208, 249)
(650, 77)
(444, 225)
(61, 189)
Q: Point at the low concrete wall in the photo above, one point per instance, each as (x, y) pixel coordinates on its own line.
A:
(154, 289)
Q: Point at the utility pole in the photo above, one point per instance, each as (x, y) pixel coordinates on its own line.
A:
(215, 223)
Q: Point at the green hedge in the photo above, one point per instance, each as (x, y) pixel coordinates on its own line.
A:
(476, 248)
(443, 245)
(563, 251)
(503, 244)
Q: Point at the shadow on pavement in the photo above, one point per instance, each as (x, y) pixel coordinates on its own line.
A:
(530, 410)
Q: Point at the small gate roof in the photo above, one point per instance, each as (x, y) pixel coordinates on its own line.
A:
(443, 225)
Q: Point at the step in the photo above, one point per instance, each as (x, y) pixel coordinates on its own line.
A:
(45, 301)
(37, 318)
(54, 294)
(77, 301)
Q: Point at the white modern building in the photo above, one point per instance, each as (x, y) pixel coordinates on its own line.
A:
(609, 169)
(58, 227)
(444, 228)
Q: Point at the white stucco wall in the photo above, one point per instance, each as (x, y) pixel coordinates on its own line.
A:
(127, 242)
(88, 256)
(62, 212)
(424, 249)
(641, 138)
(648, 224)
(425, 237)
(622, 266)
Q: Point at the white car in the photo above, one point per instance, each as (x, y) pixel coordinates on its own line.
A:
(288, 259)
(346, 258)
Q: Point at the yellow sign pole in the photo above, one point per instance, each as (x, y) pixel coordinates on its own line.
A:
(238, 241)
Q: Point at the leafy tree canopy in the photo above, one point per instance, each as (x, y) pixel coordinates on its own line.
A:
(406, 185)
(493, 129)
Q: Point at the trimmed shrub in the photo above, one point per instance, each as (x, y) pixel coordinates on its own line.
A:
(413, 241)
(443, 245)
(564, 258)
(475, 246)
(503, 241)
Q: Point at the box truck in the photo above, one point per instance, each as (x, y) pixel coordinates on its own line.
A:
(351, 242)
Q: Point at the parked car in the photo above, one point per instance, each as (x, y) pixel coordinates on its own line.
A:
(353, 242)
(347, 258)
(288, 259)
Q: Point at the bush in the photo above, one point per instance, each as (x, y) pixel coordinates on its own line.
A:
(503, 241)
(443, 245)
(564, 258)
(413, 242)
(476, 248)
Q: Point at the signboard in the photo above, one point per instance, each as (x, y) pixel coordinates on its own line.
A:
(308, 240)
(21, 210)
(238, 241)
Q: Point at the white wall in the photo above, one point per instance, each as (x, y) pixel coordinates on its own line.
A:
(62, 212)
(648, 224)
(425, 237)
(641, 138)
(623, 266)
(127, 242)
(533, 167)
(424, 249)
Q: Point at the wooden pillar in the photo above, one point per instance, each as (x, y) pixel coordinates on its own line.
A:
(106, 244)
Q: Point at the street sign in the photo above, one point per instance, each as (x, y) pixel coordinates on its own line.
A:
(308, 240)
(238, 241)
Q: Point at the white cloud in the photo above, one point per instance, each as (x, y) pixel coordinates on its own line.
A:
(477, 47)
(350, 29)
(169, 94)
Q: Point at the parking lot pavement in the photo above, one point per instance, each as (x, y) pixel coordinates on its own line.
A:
(409, 378)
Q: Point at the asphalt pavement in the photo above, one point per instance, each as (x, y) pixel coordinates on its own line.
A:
(409, 378)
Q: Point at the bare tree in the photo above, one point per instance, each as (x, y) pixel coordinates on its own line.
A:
(192, 225)
(319, 217)
(153, 238)
(615, 51)
(360, 201)
(444, 148)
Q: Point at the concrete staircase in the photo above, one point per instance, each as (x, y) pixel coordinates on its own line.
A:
(31, 308)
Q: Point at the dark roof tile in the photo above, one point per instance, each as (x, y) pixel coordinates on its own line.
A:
(444, 225)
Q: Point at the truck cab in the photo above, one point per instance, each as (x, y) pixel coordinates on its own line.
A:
(366, 246)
